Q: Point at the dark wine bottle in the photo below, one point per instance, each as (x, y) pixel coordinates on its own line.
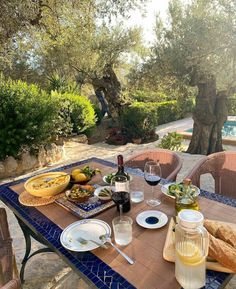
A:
(122, 189)
(121, 171)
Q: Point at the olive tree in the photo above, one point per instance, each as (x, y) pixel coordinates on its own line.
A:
(198, 46)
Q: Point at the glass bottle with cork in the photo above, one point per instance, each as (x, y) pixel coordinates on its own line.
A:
(120, 187)
(121, 170)
(186, 199)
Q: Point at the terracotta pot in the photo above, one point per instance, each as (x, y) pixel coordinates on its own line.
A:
(137, 140)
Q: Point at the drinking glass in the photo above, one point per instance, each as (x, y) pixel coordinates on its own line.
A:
(152, 175)
(136, 191)
(120, 193)
(122, 227)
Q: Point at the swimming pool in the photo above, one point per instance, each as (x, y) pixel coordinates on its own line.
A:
(228, 130)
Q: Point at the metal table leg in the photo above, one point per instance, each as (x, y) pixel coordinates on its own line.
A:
(28, 233)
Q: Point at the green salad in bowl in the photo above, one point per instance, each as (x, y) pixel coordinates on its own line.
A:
(172, 189)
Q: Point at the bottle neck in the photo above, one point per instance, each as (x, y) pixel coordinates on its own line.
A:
(120, 163)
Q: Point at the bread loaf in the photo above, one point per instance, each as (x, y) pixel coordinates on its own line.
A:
(227, 234)
(222, 231)
(211, 226)
(221, 251)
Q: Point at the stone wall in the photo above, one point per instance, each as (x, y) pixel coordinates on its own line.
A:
(27, 162)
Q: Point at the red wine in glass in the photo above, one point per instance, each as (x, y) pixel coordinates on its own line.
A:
(122, 201)
(152, 180)
(152, 175)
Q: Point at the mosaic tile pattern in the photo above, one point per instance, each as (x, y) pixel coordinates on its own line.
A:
(90, 266)
(85, 210)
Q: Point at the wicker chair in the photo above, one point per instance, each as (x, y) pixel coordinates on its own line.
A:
(8, 271)
(170, 162)
(222, 167)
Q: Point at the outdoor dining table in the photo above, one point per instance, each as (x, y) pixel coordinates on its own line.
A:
(105, 268)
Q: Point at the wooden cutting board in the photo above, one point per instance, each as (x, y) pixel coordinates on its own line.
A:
(169, 250)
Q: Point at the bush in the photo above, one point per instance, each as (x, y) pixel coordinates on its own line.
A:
(185, 106)
(76, 111)
(172, 141)
(167, 111)
(139, 120)
(232, 105)
(27, 116)
(148, 96)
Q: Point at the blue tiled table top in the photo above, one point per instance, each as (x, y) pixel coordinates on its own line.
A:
(87, 264)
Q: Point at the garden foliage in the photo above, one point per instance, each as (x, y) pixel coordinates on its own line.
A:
(172, 141)
(232, 105)
(27, 116)
(76, 111)
(139, 120)
(30, 116)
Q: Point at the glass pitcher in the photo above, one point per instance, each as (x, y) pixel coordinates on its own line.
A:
(185, 198)
(191, 250)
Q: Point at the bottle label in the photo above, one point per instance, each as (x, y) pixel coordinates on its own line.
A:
(122, 186)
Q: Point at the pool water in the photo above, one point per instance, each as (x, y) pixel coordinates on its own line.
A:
(228, 130)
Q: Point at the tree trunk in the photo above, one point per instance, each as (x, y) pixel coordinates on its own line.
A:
(209, 116)
(111, 87)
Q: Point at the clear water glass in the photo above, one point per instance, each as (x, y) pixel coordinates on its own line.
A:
(122, 227)
(136, 196)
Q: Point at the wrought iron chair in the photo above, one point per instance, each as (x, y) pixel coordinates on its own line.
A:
(170, 162)
(8, 271)
(222, 167)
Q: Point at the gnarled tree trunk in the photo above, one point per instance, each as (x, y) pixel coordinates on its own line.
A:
(209, 116)
(111, 87)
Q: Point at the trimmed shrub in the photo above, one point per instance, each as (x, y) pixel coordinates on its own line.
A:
(167, 111)
(148, 96)
(172, 141)
(27, 116)
(77, 111)
(232, 106)
(139, 120)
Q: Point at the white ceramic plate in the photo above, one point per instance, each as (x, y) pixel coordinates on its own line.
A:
(105, 178)
(165, 190)
(98, 190)
(89, 229)
(152, 219)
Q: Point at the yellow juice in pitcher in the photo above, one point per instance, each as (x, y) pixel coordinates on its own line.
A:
(190, 266)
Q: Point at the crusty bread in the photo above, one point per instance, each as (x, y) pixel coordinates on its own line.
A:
(211, 226)
(221, 251)
(227, 234)
(222, 231)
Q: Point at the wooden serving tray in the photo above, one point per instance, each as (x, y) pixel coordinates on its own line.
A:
(169, 250)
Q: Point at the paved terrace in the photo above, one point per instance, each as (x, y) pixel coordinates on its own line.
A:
(46, 271)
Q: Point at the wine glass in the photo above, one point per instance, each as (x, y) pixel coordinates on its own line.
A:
(120, 193)
(152, 175)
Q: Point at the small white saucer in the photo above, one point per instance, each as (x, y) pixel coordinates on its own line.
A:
(152, 219)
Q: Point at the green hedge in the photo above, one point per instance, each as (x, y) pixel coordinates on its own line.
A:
(232, 106)
(76, 111)
(30, 116)
(167, 111)
(148, 96)
(139, 120)
(27, 116)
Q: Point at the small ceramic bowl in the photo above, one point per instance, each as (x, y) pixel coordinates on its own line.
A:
(103, 198)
